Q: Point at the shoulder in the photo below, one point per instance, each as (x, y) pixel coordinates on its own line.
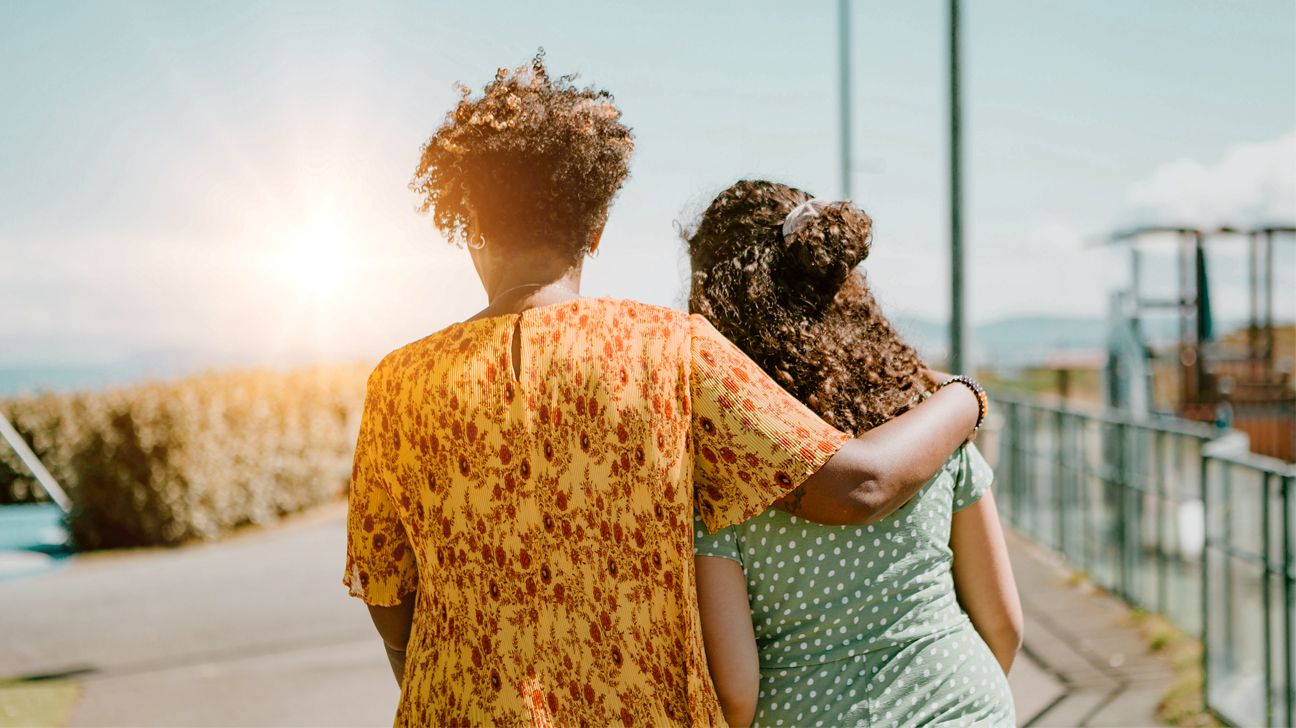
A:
(455, 337)
(657, 327)
(645, 312)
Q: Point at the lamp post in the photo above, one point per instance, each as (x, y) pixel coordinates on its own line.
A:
(843, 48)
(957, 362)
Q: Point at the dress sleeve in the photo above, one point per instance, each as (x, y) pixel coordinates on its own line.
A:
(974, 477)
(752, 441)
(722, 543)
(380, 566)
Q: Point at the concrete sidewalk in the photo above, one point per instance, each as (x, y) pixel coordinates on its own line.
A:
(257, 631)
(1083, 662)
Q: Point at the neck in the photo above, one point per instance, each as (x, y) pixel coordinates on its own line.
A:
(523, 281)
(524, 284)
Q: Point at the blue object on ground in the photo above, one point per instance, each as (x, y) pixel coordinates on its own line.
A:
(33, 540)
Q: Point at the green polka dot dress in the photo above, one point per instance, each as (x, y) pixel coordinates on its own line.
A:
(859, 625)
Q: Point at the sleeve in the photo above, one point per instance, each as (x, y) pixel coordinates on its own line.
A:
(974, 477)
(722, 543)
(380, 565)
(752, 441)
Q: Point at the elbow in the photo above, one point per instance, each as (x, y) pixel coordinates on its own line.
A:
(738, 701)
(738, 713)
(868, 503)
(1014, 634)
(1007, 635)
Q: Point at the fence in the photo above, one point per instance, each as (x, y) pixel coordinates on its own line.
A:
(1171, 516)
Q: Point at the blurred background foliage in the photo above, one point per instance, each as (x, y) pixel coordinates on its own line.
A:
(168, 462)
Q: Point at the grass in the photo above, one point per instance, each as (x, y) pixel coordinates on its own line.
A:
(1184, 704)
(28, 703)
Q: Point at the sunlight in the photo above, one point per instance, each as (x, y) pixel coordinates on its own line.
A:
(317, 257)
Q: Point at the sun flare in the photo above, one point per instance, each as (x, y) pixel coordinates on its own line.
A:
(316, 258)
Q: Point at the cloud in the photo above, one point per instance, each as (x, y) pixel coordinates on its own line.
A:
(1250, 185)
(1053, 236)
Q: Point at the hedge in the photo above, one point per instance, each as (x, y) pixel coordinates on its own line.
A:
(169, 462)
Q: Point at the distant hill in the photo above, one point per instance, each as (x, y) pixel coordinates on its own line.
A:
(1011, 342)
(1022, 341)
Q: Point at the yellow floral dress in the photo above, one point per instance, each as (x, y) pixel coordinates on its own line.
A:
(544, 518)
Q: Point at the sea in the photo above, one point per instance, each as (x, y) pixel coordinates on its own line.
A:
(27, 379)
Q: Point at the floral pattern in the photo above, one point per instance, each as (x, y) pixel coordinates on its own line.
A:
(545, 518)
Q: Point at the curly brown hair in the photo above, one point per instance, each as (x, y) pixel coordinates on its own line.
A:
(536, 159)
(798, 307)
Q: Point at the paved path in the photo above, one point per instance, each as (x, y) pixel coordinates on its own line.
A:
(1083, 662)
(253, 631)
(257, 631)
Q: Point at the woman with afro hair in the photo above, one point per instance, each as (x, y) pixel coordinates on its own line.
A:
(525, 481)
(908, 620)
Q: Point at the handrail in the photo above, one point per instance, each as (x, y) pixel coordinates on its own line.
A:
(33, 463)
(1262, 463)
(1173, 516)
(1165, 423)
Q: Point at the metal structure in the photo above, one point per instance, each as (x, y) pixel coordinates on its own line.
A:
(1172, 516)
(1243, 384)
(844, 65)
(958, 324)
(33, 463)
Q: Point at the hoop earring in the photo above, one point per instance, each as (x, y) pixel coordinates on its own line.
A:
(477, 243)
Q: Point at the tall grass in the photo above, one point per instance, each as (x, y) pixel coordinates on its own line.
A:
(164, 463)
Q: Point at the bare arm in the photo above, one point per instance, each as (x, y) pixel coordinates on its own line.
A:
(728, 637)
(983, 579)
(879, 471)
(393, 624)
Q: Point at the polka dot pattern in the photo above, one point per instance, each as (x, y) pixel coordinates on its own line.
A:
(860, 624)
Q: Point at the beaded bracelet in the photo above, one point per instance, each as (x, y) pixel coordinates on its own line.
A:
(982, 404)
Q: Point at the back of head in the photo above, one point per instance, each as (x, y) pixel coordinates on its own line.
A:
(533, 161)
(796, 304)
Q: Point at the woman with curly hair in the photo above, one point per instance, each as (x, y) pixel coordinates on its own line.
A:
(857, 625)
(521, 506)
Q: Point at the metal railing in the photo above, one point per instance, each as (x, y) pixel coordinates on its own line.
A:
(1174, 517)
(33, 463)
(1249, 589)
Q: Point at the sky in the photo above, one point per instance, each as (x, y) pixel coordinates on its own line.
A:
(229, 180)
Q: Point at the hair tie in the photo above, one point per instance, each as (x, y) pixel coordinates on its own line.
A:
(801, 215)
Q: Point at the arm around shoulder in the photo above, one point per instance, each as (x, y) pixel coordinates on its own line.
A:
(879, 471)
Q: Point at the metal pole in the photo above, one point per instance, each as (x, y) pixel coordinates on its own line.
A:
(1268, 299)
(1253, 309)
(957, 362)
(1266, 591)
(33, 464)
(1289, 597)
(843, 28)
(1203, 472)
(1059, 479)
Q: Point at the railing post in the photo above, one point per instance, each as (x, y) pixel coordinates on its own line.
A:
(1059, 484)
(1227, 498)
(1289, 598)
(1159, 445)
(1121, 526)
(1266, 592)
(1204, 563)
(1013, 436)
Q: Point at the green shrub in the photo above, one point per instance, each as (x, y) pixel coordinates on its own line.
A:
(164, 463)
